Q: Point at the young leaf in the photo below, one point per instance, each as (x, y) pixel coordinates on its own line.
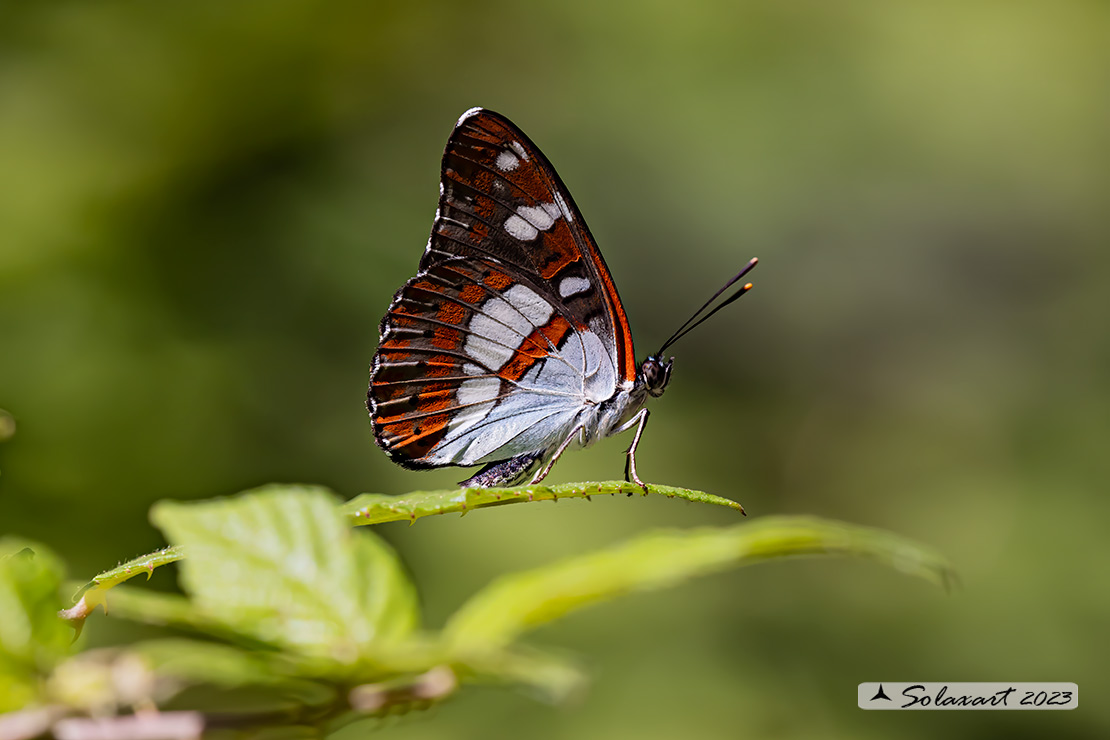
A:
(280, 564)
(515, 603)
(377, 508)
(94, 593)
(142, 565)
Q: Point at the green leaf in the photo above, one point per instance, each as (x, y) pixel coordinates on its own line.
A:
(515, 603)
(142, 565)
(32, 638)
(551, 677)
(280, 564)
(170, 610)
(226, 667)
(376, 508)
(95, 592)
(208, 662)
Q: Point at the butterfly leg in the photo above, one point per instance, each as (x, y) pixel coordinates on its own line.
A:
(640, 421)
(566, 442)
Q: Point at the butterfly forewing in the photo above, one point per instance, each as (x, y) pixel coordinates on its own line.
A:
(501, 198)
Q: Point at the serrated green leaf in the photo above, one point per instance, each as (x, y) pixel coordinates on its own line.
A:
(412, 654)
(377, 508)
(515, 603)
(95, 592)
(373, 508)
(280, 564)
(32, 637)
(142, 565)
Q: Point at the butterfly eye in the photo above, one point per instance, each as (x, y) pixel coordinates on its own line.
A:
(656, 373)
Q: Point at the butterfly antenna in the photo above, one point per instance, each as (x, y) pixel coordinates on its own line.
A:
(691, 323)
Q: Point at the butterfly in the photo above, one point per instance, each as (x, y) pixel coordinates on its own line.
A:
(511, 343)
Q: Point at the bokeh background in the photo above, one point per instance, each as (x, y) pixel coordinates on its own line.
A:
(205, 208)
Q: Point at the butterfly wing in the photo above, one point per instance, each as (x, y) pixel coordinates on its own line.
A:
(501, 198)
(513, 324)
(475, 365)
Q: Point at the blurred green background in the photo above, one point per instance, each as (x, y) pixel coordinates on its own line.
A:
(205, 208)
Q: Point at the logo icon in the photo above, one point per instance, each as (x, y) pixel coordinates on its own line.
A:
(880, 694)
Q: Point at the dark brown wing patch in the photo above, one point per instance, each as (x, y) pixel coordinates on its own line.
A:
(501, 198)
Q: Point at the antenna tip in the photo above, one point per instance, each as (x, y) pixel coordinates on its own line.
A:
(754, 260)
(748, 286)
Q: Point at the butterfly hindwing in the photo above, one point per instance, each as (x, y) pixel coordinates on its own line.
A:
(475, 364)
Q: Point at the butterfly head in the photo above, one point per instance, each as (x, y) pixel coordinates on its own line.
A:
(656, 372)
